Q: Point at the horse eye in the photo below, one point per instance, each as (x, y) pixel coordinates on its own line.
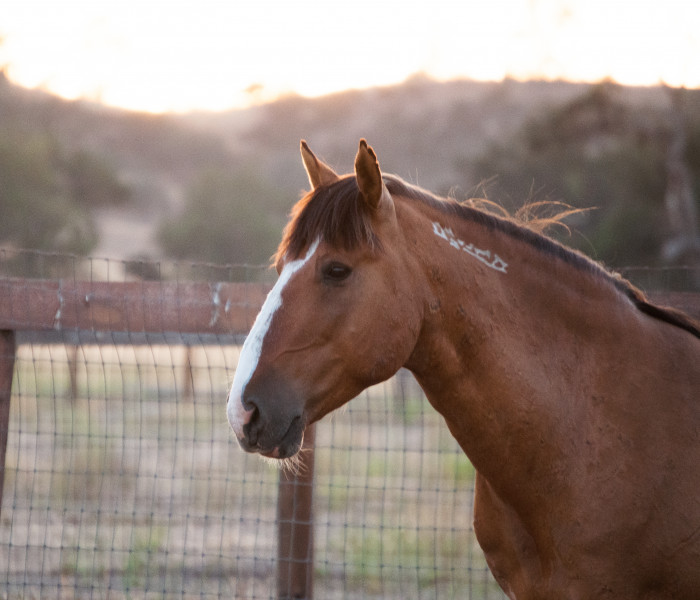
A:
(336, 272)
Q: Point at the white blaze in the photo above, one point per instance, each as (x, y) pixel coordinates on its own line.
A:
(238, 416)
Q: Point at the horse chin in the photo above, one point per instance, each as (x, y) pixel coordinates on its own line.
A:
(285, 448)
(284, 451)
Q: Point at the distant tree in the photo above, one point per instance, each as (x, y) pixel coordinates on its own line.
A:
(92, 181)
(37, 211)
(595, 152)
(228, 218)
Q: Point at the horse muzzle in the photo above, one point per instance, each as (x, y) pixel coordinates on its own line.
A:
(259, 428)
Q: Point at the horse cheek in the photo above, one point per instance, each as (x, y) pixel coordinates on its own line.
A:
(384, 344)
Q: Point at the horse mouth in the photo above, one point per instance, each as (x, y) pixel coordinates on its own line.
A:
(287, 446)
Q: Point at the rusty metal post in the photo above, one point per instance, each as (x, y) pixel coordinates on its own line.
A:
(7, 367)
(188, 376)
(72, 358)
(295, 550)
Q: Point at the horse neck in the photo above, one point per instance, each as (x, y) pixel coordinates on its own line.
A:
(505, 341)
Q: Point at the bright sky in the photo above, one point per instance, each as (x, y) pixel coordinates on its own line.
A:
(161, 55)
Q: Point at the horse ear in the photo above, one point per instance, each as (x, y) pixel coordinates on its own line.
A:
(369, 176)
(319, 173)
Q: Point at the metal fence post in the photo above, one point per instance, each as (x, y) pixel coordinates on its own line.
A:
(295, 550)
(7, 367)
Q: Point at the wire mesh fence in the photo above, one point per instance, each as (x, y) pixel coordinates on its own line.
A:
(122, 478)
(134, 489)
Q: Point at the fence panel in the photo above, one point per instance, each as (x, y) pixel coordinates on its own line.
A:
(134, 488)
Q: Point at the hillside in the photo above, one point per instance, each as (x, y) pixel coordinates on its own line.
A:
(424, 131)
(433, 134)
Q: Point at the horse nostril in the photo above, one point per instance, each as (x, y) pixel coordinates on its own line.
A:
(251, 428)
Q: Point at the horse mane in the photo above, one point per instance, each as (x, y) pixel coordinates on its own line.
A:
(339, 215)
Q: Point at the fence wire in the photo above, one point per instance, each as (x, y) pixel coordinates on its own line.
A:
(123, 479)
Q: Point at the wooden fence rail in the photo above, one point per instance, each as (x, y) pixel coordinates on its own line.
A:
(145, 306)
(138, 308)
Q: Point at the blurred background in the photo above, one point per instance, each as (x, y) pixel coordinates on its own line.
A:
(146, 130)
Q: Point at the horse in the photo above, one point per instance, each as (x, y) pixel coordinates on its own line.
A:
(575, 398)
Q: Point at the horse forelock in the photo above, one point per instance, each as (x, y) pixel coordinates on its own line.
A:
(336, 214)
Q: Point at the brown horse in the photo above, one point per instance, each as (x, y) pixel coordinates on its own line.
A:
(577, 401)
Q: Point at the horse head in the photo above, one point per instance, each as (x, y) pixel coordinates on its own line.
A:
(339, 318)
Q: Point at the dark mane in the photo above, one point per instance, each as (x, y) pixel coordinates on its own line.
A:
(338, 214)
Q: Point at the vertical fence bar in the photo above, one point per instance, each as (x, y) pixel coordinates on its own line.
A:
(72, 354)
(295, 550)
(7, 367)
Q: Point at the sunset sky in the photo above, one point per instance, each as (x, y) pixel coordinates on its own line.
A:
(181, 55)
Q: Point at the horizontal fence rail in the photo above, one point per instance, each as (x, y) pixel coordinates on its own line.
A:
(161, 307)
(688, 302)
(200, 315)
(144, 306)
